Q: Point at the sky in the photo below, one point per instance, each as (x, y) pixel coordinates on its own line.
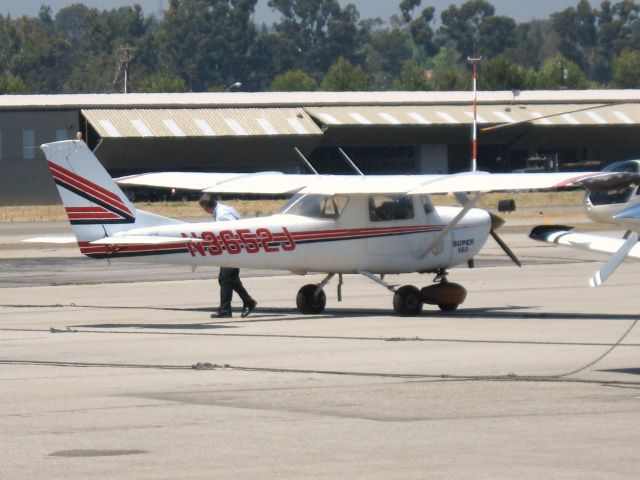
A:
(520, 10)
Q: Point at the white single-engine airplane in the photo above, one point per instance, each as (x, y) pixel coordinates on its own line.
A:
(616, 201)
(334, 224)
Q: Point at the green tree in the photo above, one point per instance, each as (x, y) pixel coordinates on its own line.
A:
(208, 42)
(413, 77)
(320, 30)
(560, 72)
(461, 25)
(617, 30)
(407, 7)
(496, 35)
(385, 54)
(450, 79)
(577, 34)
(162, 82)
(498, 73)
(344, 76)
(96, 40)
(626, 70)
(532, 44)
(42, 58)
(293, 81)
(12, 85)
(422, 34)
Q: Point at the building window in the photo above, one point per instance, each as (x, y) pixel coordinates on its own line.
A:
(28, 144)
(61, 134)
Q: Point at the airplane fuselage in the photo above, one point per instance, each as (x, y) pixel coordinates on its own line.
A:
(353, 241)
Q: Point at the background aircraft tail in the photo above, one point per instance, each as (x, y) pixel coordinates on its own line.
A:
(95, 204)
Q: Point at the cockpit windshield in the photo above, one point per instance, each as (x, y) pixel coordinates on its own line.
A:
(317, 206)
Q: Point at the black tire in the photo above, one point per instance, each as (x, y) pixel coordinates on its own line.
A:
(407, 301)
(448, 307)
(311, 299)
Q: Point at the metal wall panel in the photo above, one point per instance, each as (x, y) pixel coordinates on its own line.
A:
(27, 181)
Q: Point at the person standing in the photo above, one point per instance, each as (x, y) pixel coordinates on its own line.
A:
(228, 278)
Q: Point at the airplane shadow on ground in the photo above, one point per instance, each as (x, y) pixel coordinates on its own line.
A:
(270, 314)
(630, 371)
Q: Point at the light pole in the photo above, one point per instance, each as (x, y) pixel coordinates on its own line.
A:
(232, 86)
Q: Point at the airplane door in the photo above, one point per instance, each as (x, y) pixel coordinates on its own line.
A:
(392, 218)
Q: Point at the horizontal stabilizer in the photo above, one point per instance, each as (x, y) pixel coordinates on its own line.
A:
(142, 240)
(52, 239)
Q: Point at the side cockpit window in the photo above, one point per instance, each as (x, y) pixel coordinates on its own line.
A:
(317, 206)
(384, 208)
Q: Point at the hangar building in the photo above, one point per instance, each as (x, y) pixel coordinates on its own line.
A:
(383, 132)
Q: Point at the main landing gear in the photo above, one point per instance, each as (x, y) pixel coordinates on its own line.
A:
(407, 300)
(311, 298)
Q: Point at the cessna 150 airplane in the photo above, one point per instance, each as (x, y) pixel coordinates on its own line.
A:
(335, 224)
(614, 203)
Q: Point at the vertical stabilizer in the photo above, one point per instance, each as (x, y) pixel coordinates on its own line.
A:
(95, 204)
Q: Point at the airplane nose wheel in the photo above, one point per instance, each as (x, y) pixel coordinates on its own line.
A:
(446, 295)
(311, 299)
(407, 301)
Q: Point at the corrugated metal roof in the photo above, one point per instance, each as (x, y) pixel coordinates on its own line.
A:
(204, 122)
(565, 114)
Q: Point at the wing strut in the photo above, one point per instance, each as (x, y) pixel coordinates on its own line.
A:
(350, 162)
(616, 259)
(306, 162)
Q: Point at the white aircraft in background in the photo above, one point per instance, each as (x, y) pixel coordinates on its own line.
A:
(334, 224)
(615, 201)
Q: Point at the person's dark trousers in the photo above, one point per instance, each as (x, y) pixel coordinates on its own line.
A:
(229, 280)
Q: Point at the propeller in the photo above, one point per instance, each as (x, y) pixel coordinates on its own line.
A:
(496, 223)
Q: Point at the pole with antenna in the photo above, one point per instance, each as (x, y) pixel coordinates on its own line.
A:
(474, 136)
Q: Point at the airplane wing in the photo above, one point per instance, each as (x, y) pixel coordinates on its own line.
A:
(619, 248)
(495, 182)
(562, 235)
(270, 183)
(265, 183)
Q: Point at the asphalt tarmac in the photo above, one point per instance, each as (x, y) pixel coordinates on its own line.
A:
(118, 371)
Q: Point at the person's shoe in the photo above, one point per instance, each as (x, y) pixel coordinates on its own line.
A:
(222, 314)
(248, 308)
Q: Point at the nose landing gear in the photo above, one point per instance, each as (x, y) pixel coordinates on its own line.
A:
(448, 296)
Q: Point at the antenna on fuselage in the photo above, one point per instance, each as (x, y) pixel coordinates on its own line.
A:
(306, 162)
(350, 162)
(474, 136)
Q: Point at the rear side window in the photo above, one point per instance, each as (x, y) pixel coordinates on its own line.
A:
(384, 208)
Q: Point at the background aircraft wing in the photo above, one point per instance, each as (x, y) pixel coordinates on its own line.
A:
(562, 235)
